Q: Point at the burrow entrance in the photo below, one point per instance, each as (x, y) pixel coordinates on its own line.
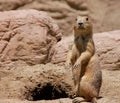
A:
(47, 92)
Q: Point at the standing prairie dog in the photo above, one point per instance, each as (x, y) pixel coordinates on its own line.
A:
(85, 65)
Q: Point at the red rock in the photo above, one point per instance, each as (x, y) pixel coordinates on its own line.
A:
(27, 35)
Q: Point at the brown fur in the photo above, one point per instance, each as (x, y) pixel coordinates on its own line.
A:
(85, 65)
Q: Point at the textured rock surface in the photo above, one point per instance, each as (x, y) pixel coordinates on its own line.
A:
(104, 13)
(107, 48)
(27, 35)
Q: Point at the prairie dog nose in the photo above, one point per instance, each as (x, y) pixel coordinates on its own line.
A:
(80, 24)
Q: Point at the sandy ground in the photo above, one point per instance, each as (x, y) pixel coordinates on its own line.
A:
(26, 84)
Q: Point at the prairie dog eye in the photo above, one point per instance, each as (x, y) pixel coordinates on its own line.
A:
(87, 19)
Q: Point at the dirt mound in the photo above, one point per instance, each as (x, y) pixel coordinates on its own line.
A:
(49, 84)
(35, 82)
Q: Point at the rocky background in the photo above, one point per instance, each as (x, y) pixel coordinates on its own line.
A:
(33, 48)
(103, 13)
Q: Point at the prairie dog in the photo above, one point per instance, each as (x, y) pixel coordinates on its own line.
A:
(85, 65)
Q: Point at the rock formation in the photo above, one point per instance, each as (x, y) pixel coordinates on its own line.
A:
(103, 13)
(27, 35)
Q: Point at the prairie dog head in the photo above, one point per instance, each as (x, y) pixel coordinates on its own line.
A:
(83, 25)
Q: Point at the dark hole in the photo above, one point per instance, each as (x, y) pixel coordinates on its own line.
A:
(48, 92)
